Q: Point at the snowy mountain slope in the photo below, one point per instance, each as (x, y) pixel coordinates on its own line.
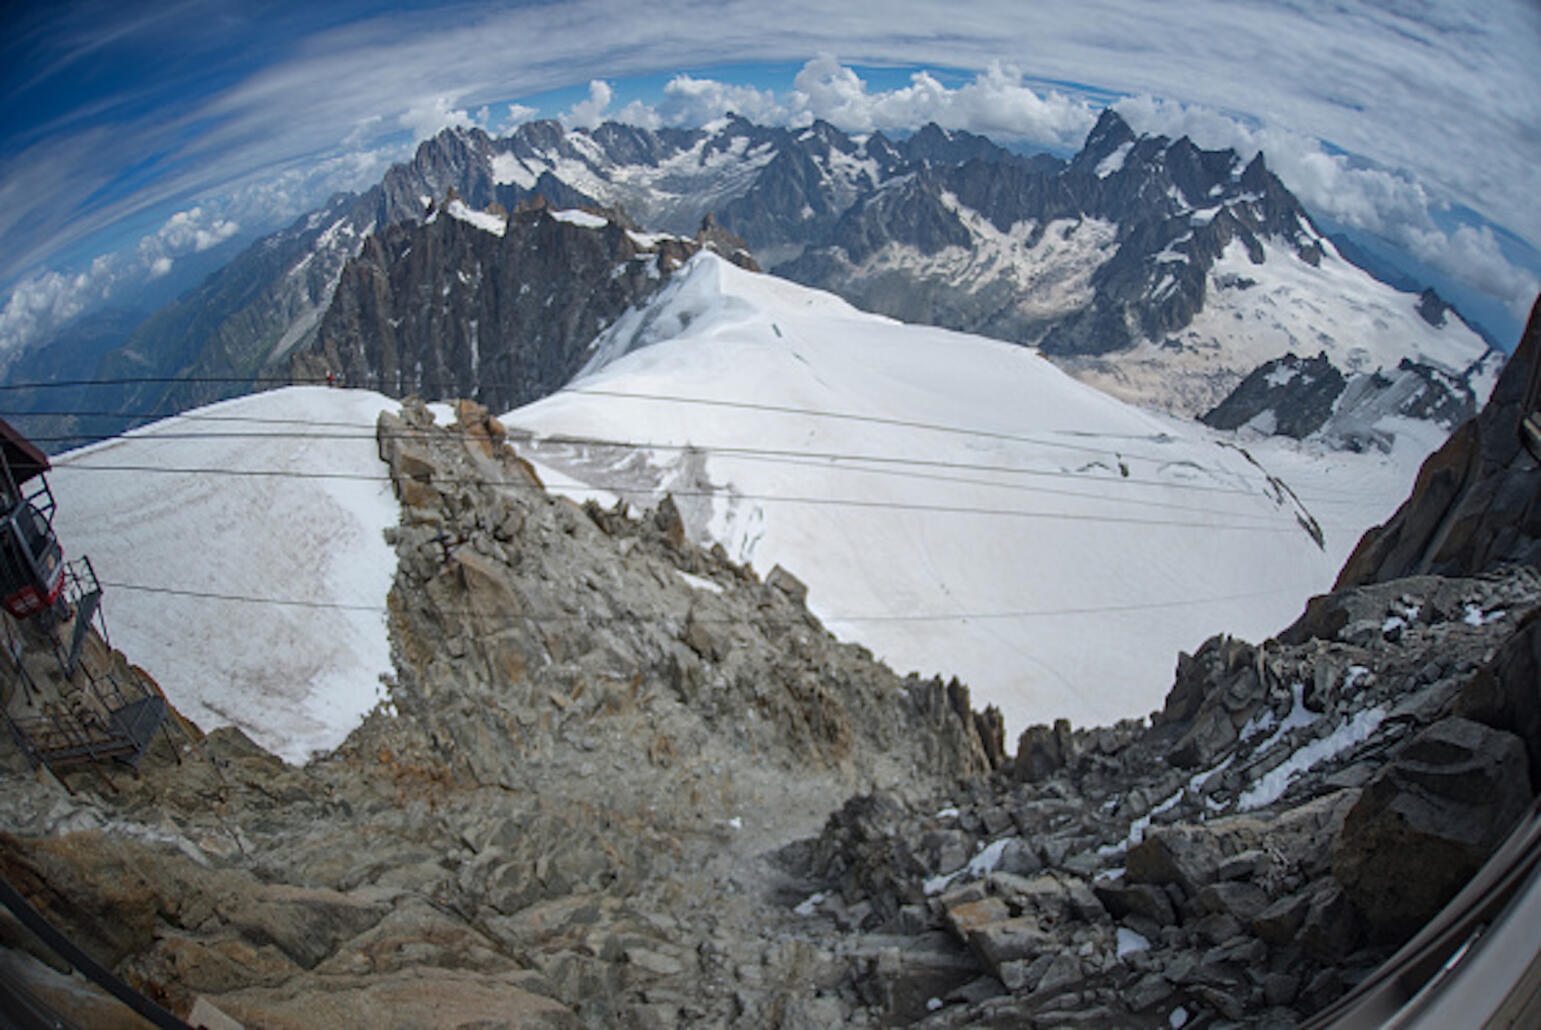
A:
(957, 504)
(1255, 312)
(1146, 266)
(294, 677)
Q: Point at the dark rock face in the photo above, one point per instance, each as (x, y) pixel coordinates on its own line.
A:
(1506, 693)
(1428, 821)
(1432, 308)
(1298, 397)
(1477, 500)
(1299, 392)
(441, 309)
(447, 308)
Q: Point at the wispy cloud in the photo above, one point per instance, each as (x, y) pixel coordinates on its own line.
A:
(1438, 103)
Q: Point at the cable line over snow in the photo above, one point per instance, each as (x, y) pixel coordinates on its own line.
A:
(656, 397)
(1272, 526)
(590, 618)
(801, 456)
(748, 455)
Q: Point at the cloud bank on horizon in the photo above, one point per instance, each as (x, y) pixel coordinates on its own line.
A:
(1385, 115)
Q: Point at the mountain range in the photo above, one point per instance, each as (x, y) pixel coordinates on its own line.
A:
(1155, 270)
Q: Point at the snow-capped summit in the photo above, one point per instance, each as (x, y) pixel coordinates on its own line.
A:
(957, 504)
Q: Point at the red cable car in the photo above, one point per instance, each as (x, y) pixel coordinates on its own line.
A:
(31, 560)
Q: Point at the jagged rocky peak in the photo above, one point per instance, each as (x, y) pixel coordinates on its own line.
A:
(826, 137)
(933, 144)
(516, 299)
(1138, 243)
(1111, 135)
(1110, 252)
(456, 158)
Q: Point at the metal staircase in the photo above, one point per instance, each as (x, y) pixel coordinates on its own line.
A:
(72, 714)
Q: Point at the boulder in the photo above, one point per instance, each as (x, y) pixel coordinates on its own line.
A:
(305, 923)
(1427, 822)
(1279, 922)
(1506, 692)
(788, 584)
(1331, 929)
(1241, 901)
(1185, 856)
(1144, 900)
(1009, 940)
(1043, 751)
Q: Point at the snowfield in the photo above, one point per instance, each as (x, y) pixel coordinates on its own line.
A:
(296, 678)
(958, 505)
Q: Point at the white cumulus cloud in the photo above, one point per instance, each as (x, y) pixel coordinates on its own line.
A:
(692, 101)
(45, 301)
(427, 116)
(518, 113)
(999, 101)
(586, 114)
(1472, 254)
(193, 230)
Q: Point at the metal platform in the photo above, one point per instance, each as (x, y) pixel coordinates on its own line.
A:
(68, 713)
(67, 739)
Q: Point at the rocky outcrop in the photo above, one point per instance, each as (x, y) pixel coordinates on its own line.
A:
(500, 308)
(1290, 396)
(614, 613)
(595, 733)
(1477, 500)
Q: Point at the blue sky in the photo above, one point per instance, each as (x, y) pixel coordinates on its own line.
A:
(137, 136)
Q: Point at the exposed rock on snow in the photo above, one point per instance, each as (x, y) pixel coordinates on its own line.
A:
(1253, 913)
